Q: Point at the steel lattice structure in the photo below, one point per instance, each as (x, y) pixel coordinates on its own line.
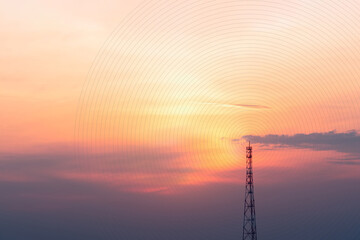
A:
(249, 224)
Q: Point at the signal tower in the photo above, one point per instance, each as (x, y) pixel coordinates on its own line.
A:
(249, 224)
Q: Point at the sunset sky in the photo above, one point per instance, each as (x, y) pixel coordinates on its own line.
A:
(129, 119)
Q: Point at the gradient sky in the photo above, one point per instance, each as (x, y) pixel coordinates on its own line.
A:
(129, 119)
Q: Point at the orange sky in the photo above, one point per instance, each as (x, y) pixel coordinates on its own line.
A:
(181, 76)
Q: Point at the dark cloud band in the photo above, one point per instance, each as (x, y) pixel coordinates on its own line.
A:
(343, 142)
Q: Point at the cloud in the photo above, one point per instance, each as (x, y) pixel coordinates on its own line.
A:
(237, 105)
(142, 169)
(343, 142)
(249, 106)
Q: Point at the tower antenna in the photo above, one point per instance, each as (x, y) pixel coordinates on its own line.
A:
(249, 224)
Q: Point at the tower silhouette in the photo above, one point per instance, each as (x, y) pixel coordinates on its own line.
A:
(249, 224)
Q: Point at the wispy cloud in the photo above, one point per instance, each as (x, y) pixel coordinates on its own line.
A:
(236, 105)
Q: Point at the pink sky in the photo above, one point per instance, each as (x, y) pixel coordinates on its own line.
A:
(179, 77)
